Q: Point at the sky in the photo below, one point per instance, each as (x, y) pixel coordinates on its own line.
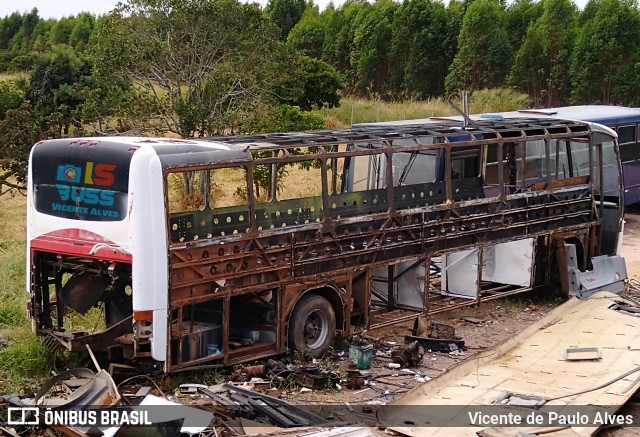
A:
(63, 8)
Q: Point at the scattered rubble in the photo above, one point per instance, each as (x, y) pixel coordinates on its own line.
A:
(249, 402)
(260, 398)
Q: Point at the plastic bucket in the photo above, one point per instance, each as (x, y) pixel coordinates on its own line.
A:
(361, 355)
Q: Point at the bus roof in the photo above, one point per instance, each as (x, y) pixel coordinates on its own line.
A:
(604, 114)
(195, 152)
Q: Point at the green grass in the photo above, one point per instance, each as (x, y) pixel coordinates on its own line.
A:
(24, 361)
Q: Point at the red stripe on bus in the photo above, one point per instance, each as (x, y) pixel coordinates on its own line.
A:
(78, 242)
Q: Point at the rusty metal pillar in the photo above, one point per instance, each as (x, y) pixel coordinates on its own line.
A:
(390, 279)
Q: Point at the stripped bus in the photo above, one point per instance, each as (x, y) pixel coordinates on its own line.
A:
(394, 221)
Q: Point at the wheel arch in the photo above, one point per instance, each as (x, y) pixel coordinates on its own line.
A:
(333, 296)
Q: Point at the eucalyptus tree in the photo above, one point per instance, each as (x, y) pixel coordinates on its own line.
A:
(308, 35)
(371, 46)
(606, 61)
(484, 54)
(418, 54)
(541, 64)
(286, 14)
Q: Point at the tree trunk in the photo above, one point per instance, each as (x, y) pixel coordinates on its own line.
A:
(187, 183)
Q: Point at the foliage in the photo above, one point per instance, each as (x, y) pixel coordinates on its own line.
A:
(521, 14)
(51, 84)
(418, 50)
(291, 118)
(308, 35)
(19, 130)
(286, 14)
(371, 47)
(11, 96)
(540, 64)
(606, 59)
(312, 85)
(339, 37)
(484, 53)
(204, 64)
(414, 49)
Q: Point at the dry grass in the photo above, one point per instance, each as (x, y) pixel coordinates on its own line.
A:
(300, 182)
(228, 188)
(14, 76)
(354, 110)
(13, 214)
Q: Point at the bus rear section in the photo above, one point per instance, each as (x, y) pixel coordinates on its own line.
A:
(81, 243)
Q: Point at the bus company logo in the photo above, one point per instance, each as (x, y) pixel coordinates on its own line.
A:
(90, 189)
(69, 173)
(95, 174)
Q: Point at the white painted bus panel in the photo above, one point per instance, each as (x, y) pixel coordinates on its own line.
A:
(148, 236)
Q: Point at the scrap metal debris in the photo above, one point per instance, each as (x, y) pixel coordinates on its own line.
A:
(474, 320)
(439, 337)
(316, 378)
(408, 355)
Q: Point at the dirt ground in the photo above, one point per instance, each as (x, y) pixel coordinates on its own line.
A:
(502, 319)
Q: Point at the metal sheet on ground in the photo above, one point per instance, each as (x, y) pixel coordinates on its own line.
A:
(533, 363)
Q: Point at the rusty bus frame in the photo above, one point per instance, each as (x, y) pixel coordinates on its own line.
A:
(251, 282)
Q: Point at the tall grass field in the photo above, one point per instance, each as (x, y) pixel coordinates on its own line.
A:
(354, 110)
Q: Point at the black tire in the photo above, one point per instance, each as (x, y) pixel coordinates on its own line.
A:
(312, 326)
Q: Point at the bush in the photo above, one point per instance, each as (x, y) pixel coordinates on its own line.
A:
(288, 118)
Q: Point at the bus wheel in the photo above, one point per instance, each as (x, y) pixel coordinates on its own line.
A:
(312, 326)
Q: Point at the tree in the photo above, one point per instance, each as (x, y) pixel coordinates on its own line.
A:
(286, 14)
(11, 97)
(521, 14)
(206, 65)
(339, 37)
(541, 63)
(418, 54)
(371, 46)
(61, 30)
(528, 72)
(18, 132)
(82, 30)
(484, 53)
(307, 36)
(313, 84)
(203, 62)
(606, 60)
(50, 86)
(22, 40)
(9, 26)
